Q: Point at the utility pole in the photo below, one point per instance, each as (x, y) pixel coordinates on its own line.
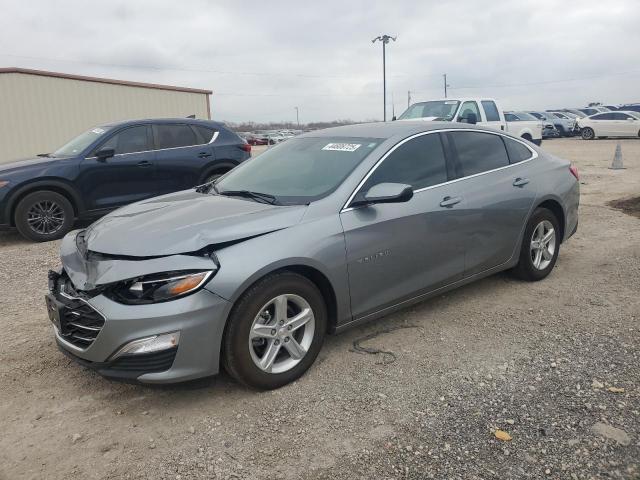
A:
(445, 85)
(297, 117)
(384, 39)
(408, 98)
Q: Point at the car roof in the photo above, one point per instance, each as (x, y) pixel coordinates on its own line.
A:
(190, 121)
(387, 130)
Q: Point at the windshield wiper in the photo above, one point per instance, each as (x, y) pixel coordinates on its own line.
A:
(261, 197)
(45, 155)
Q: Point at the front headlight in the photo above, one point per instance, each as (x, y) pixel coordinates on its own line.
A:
(159, 287)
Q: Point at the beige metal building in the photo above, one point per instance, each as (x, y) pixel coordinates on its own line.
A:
(40, 111)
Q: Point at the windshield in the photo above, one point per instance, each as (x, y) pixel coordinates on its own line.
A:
(444, 109)
(299, 170)
(78, 144)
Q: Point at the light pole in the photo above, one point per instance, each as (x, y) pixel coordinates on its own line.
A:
(384, 39)
(297, 117)
(445, 85)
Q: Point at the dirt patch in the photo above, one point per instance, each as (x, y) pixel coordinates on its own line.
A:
(630, 206)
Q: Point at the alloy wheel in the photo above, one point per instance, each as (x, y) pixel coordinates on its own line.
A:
(543, 245)
(281, 334)
(45, 217)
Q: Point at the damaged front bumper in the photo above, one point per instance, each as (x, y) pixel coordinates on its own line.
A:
(93, 329)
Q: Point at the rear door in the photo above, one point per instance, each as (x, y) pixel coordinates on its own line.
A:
(182, 153)
(497, 195)
(126, 177)
(396, 251)
(492, 115)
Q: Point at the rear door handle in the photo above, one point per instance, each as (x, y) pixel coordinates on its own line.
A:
(450, 201)
(144, 164)
(204, 155)
(520, 182)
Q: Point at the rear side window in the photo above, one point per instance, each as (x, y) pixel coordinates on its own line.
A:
(172, 136)
(205, 134)
(420, 162)
(603, 116)
(129, 140)
(618, 116)
(517, 151)
(478, 152)
(510, 117)
(490, 110)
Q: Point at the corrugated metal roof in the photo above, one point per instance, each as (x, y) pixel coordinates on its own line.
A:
(111, 81)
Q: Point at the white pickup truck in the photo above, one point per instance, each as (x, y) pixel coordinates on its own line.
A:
(481, 111)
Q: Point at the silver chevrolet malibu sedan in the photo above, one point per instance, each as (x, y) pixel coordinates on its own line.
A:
(323, 232)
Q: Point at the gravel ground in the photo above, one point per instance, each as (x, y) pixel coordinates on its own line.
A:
(553, 365)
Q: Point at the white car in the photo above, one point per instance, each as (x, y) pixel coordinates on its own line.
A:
(610, 124)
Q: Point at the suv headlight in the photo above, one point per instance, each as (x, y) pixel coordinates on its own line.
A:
(159, 287)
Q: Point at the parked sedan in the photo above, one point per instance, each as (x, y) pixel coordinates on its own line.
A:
(110, 166)
(322, 232)
(611, 124)
(564, 126)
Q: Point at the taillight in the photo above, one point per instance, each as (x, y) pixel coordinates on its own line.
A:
(246, 147)
(574, 171)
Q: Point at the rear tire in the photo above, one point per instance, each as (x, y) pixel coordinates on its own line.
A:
(256, 326)
(44, 216)
(587, 133)
(540, 246)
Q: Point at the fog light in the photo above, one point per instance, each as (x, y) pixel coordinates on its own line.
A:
(149, 344)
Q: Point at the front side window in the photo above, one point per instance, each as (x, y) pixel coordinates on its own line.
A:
(174, 136)
(478, 152)
(300, 170)
(419, 162)
(439, 109)
(516, 150)
(619, 116)
(490, 110)
(81, 142)
(129, 140)
(601, 116)
(510, 117)
(467, 108)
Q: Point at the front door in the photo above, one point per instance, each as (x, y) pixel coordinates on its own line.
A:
(398, 250)
(126, 177)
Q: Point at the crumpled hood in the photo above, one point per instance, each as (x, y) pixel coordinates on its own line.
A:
(185, 222)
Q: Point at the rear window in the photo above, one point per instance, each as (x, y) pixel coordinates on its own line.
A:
(205, 134)
(478, 152)
(490, 110)
(173, 136)
(516, 150)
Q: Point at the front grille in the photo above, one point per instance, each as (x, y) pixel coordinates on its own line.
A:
(80, 323)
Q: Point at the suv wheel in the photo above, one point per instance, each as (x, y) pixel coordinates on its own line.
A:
(44, 216)
(540, 246)
(275, 331)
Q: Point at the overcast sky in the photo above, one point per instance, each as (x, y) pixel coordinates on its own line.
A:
(261, 59)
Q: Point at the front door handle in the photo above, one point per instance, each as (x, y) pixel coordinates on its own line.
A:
(204, 155)
(144, 164)
(450, 201)
(520, 182)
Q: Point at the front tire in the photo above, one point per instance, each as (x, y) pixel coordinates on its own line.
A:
(540, 246)
(275, 331)
(44, 216)
(587, 133)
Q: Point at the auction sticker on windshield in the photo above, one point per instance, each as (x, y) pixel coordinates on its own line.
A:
(342, 147)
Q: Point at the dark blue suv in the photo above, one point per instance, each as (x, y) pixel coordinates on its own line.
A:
(110, 166)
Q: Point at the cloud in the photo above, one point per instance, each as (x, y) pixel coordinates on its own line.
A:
(263, 59)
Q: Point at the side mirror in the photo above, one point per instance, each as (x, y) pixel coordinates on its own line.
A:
(102, 155)
(385, 193)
